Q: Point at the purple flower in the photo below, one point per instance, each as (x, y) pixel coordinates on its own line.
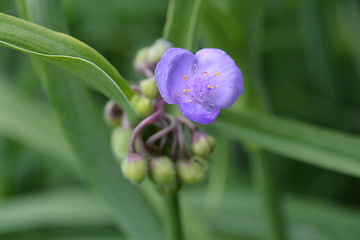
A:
(201, 84)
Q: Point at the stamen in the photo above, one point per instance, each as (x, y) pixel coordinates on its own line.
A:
(185, 77)
(207, 73)
(210, 87)
(190, 100)
(217, 74)
(186, 90)
(217, 86)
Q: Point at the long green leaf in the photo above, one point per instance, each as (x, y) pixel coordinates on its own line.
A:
(90, 140)
(322, 147)
(69, 53)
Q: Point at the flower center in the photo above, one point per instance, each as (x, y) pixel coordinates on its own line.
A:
(199, 86)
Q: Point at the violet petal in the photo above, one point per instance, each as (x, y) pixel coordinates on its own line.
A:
(197, 112)
(225, 76)
(170, 71)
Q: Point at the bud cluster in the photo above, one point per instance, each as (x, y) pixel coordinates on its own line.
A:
(157, 146)
(147, 57)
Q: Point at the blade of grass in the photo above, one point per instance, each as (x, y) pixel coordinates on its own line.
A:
(326, 148)
(89, 137)
(70, 54)
(263, 174)
(181, 23)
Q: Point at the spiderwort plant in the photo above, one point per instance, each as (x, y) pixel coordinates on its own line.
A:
(201, 84)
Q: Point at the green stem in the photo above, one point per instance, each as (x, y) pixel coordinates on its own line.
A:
(173, 221)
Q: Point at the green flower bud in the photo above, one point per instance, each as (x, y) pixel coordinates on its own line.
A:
(200, 145)
(162, 171)
(141, 60)
(192, 170)
(149, 88)
(120, 142)
(157, 50)
(134, 168)
(142, 105)
(113, 113)
(147, 58)
(212, 142)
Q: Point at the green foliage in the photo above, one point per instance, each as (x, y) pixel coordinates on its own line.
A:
(33, 125)
(304, 142)
(77, 115)
(300, 61)
(180, 27)
(70, 54)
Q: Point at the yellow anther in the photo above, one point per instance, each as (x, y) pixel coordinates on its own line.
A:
(190, 100)
(210, 87)
(217, 74)
(207, 73)
(185, 77)
(186, 90)
(217, 86)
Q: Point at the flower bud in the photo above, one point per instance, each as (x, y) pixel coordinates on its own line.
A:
(157, 50)
(142, 105)
(162, 171)
(113, 113)
(200, 145)
(212, 142)
(120, 139)
(149, 88)
(147, 57)
(141, 60)
(134, 168)
(192, 170)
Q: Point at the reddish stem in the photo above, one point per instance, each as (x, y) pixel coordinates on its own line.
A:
(163, 132)
(187, 123)
(159, 103)
(147, 121)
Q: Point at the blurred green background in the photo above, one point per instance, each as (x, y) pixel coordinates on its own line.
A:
(305, 54)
